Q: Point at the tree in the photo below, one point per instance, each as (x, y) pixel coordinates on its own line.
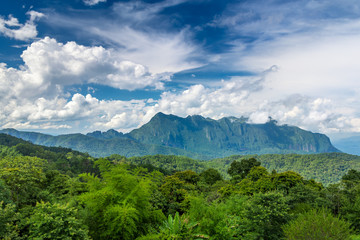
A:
(211, 176)
(24, 177)
(352, 175)
(117, 205)
(5, 194)
(55, 221)
(175, 192)
(319, 225)
(286, 180)
(263, 216)
(8, 216)
(188, 176)
(242, 168)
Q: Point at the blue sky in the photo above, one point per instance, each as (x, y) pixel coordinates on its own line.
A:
(84, 65)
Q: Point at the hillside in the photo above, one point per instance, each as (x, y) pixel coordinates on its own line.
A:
(97, 147)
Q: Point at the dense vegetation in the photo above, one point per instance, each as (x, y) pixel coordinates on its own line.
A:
(57, 193)
(194, 136)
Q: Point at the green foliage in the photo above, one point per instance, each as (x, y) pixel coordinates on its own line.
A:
(55, 221)
(217, 219)
(211, 176)
(175, 192)
(303, 197)
(327, 168)
(117, 205)
(24, 177)
(117, 199)
(188, 176)
(317, 224)
(5, 193)
(170, 163)
(241, 169)
(352, 175)
(172, 226)
(263, 216)
(176, 228)
(8, 216)
(286, 180)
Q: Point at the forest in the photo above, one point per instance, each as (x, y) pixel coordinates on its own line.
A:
(58, 193)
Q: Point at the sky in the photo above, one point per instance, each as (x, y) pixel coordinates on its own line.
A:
(71, 66)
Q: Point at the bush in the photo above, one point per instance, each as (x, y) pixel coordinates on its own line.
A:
(319, 225)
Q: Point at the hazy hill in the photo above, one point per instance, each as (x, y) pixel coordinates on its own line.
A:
(349, 145)
(98, 146)
(193, 136)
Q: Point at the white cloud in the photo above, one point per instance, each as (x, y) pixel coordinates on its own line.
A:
(240, 98)
(33, 97)
(50, 65)
(232, 98)
(59, 113)
(139, 34)
(92, 2)
(13, 29)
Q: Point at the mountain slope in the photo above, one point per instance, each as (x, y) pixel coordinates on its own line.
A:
(98, 147)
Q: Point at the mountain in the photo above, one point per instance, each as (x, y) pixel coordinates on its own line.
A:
(193, 136)
(229, 136)
(349, 145)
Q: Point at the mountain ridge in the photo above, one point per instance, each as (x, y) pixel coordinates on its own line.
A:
(192, 136)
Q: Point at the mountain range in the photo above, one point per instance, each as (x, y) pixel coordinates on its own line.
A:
(193, 136)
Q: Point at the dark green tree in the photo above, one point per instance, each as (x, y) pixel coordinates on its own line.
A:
(239, 170)
(211, 176)
(263, 216)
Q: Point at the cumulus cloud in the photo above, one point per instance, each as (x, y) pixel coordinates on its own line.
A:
(33, 95)
(50, 65)
(92, 2)
(60, 113)
(11, 27)
(236, 97)
(246, 97)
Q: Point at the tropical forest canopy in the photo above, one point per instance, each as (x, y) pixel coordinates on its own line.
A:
(58, 193)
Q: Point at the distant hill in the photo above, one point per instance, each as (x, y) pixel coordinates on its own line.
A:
(98, 146)
(349, 145)
(193, 136)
